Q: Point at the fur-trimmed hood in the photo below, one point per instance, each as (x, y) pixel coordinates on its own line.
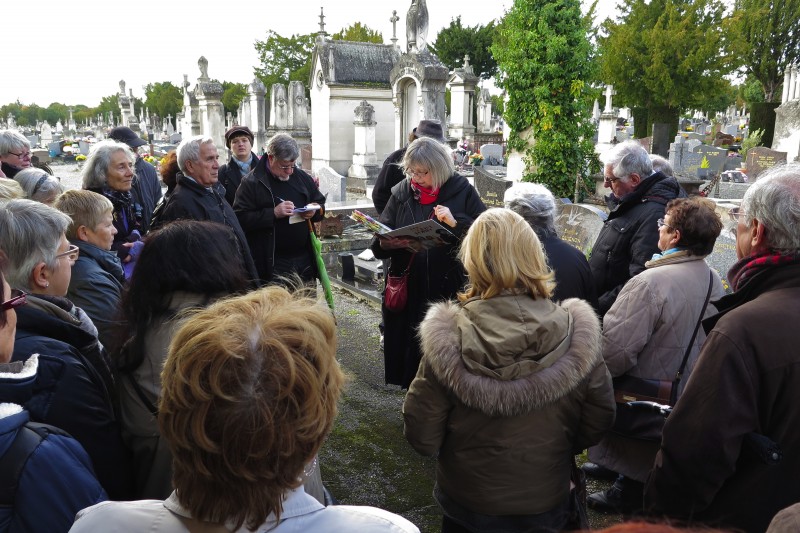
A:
(510, 354)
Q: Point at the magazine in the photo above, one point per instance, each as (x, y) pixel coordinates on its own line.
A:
(424, 235)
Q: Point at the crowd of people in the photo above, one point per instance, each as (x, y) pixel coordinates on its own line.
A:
(166, 365)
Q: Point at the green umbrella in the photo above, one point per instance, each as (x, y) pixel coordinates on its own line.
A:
(323, 272)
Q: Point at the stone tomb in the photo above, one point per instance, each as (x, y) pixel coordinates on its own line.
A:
(491, 188)
(760, 159)
(579, 225)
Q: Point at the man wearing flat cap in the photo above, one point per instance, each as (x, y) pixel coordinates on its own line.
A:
(239, 140)
(146, 189)
(391, 174)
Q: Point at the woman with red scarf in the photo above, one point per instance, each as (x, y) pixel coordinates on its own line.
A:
(432, 189)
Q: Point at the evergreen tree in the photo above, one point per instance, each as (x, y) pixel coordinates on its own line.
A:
(455, 41)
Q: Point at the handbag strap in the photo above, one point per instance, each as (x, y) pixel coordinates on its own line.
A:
(679, 374)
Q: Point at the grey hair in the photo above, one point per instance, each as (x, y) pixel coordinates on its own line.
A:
(283, 147)
(434, 156)
(774, 199)
(661, 165)
(10, 189)
(536, 204)
(38, 184)
(628, 158)
(95, 170)
(11, 140)
(30, 233)
(189, 150)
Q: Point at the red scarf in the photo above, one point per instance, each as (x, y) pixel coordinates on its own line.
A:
(424, 195)
(747, 267)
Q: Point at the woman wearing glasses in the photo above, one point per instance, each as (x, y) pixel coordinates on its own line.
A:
(15, 153)
(74, 387)
(647, 331)
(432, 189)
(53, 472)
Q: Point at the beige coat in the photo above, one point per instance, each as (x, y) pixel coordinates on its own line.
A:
(645, 334)
(508, 390)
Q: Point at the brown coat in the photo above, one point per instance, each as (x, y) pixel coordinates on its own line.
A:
(509, 389)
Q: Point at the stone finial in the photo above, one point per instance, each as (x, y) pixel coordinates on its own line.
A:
(321, 22)
(417, 26)
(364, 113)
(394, 20)
(122, 87)
(203, 64)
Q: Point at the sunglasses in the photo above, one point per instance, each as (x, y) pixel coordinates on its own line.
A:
(18, 298)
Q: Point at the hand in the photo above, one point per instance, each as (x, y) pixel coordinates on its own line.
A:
(309, 214)
(129, 257)
(283, 209)
(443, 214)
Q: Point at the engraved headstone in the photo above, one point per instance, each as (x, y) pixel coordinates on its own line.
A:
(716, 157)
(332, 185)
(491, 189)
(579, 225)
(760, 159)
(492, 154)
(692, 144)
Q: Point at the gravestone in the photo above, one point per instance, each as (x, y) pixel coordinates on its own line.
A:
(731, 129)
(716, 157)
(661, 138)
(492, 154)
(646, 142)
(579, 225)
(733, 161)
(692, 144)
(332, 184)
(696, 136)
(47, 134)
(84, 147)
(622, 135)
(760, 159)
(690, 163)
(491, 189)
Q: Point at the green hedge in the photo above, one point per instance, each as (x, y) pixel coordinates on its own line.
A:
(762, 117)
(669, 115)
(640, 124)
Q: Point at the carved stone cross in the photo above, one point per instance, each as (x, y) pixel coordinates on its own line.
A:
(394, 20)
(466, 61)
(609, 93)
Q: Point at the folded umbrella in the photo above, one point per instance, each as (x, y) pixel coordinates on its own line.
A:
(322, 271)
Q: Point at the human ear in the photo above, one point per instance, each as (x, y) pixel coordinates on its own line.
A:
(40, 276)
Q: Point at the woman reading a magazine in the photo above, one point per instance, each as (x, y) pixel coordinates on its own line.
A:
(431, 190)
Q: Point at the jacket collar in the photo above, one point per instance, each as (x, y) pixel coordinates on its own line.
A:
(106, 259)
(17, 380)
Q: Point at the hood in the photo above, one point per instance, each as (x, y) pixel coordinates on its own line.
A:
(519, 371)
(17, 380)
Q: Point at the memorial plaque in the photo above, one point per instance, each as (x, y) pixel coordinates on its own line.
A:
(717, 157)
(760, 159)
(578, 225)
(491, 188)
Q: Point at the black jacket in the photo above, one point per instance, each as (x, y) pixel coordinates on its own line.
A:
(255, 204)
(146, 191)
(192, 201)
(629, 237)
(230, 176)
(74, 390)
(573, 275)
(389, 176)
(435, 274)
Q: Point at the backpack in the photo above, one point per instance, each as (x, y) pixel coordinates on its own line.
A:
(12, 463)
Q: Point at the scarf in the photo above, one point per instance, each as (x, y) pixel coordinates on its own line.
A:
(747, 267)
(424, 195)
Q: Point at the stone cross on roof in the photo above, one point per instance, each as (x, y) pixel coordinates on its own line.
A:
(321, 22)
(394, 20)
(609, 93)
(466, 61)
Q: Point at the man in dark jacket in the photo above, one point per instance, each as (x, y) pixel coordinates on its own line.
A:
(745, 384)
(198, 195)
(265, 204)
(391, 174)
(239, 140)
(629, 237)
(146, 189)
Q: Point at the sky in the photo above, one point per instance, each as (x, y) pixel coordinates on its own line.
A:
(77, 53)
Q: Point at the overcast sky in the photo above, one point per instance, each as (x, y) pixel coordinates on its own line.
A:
(76, 53)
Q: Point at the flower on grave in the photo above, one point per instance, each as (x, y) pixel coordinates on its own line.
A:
(80, 157)
(475, 158)
(150, 159)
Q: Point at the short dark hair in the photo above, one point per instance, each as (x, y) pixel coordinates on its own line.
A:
(200, 257)
(698, 222)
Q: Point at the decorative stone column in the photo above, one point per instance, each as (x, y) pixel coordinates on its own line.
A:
(256, 114)
(364, 169)
(462, 83)
(209, 105)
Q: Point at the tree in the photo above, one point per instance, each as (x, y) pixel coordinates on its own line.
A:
(233, 96)
(284, 59)
(542, 54)
(163, 98)
(766, 40)
(358, 33)
(665, 55)
(455, 41)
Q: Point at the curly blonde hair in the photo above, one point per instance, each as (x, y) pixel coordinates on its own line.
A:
(250, 389)
(502, 252)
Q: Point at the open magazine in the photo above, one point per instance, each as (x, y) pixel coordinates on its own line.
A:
(427, 234)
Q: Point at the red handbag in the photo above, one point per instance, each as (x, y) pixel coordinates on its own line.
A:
(395, 296)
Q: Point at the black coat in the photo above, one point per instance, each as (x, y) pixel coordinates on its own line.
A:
(74, 392)
(192, 201)
(390, 175)
(255, 204)
(629, 237)
(146, 191)
(573, 275)
(230, 176)
(435, 274)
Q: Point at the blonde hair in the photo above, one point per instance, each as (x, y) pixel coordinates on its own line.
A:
(502, 252)
(85, 208)
(10, 189)
(250, 388)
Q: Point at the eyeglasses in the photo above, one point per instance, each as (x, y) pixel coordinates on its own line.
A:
(661, 222)
(611, 179)
(735, 213)
(18, 298)
(415, 173)
(72, 253)
(21, 155)
(287, 167)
